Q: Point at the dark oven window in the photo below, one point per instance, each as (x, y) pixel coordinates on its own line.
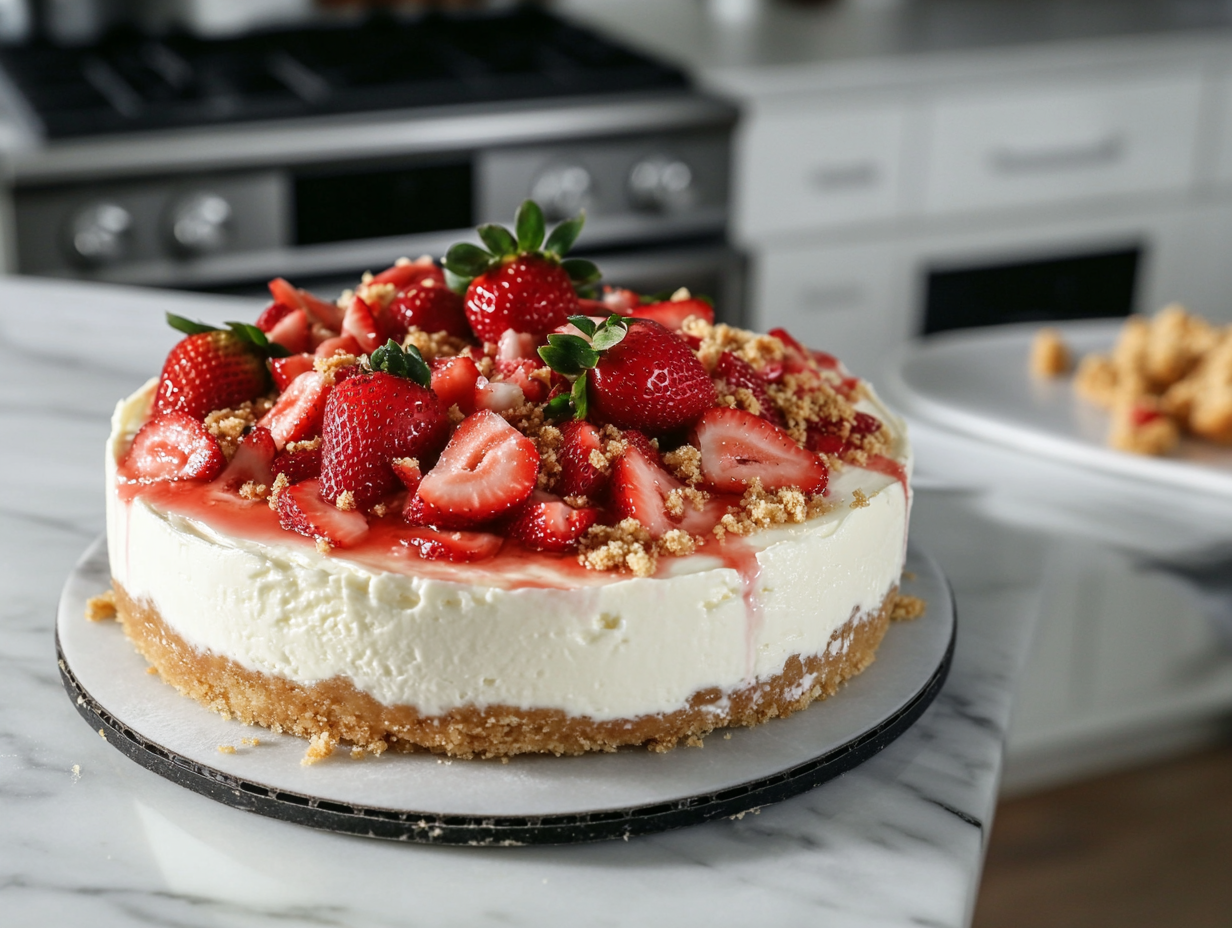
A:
(1089, 286)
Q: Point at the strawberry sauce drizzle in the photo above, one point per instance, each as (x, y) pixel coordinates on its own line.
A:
(739, 555)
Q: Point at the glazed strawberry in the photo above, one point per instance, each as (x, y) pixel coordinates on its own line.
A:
(520, 283)
(453, 381)
(361, 324)
(547, 523)
(738, 373)
(578, 476)
(293, 331)
(304, 464)
(409, 273)
(301, 508)
(299, 411)
(650, 380)
(285, 370)
(430, 306)
(671, 314)
(172, 446)
(373, 418)
(487, 468)
(213, 368)
(252, 462)
(640, 489)
(407, 470)
(435, 545)
(737, 446)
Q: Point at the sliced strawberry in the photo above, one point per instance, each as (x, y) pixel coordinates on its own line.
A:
(547, 523)
(453, 381)
(865, 424)
(487, 468)
(293, 331)
(345, 344)
(430, 306)
(285, 370)
(671, 314)
(318, 310)
(825, 359)
(639, 441)
(320, 334)
(407, 273)
(640, 489)
(208, 371)
(301, 508)
(516, 346)
(797, 357)
(739, 373)
(304, 464)
(253, 461)
(272, 314)
(737, 446)
(497, 395)
(620, 300)
(297, 414)
(821, 441)
(361, 324)
(172, 446)
(578, 476)
(519, 372)
(451, 546)
(409, 473)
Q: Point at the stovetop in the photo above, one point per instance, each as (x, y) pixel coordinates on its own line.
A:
(131, 82)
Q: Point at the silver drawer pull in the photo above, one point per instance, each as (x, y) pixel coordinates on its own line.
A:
(851, 175)
(1099, 153)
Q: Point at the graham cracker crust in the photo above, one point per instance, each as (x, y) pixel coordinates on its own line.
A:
(334, 711)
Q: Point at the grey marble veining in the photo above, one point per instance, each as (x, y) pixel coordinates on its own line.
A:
(88, 837)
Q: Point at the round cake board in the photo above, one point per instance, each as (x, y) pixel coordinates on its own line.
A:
(529, 800)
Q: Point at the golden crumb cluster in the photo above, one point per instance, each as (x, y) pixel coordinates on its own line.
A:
(229, 425)
(101, 607)
(433, 345)
(753, 347)
(329, 367)
(1165, 375)
(903, 608)
(760, 508)
(530, 421)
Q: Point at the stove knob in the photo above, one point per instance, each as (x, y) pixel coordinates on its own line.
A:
(563, 190)
(100, 233)
(661, 184)
(199, 223)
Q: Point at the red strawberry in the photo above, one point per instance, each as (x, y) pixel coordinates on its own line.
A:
(361, 324)
(299, 465)
(301, 508)
(253, 461)
(409, 273)
(298, 413)
(519, 372)
(172, 446)
(208, 371)
(739, 373)
(822, 441)
(531, 294)
(410, 474)
(287, 369)
(620, 300)
(319, 310)
(272, 314)
(547, 523)
(453, 381)
(737, 446)
(371, 419)
(671, 314)
(578, 477)
(516, 346)
(650, 380)
(293, 332)
(430, 306)
(640, 489)
(639, 441)
(487, 468)
(451, 546)
(498, 395)
(346, 344)
(865, 424)
(796, 358)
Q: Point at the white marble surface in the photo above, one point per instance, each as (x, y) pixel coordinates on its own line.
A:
(88, 837)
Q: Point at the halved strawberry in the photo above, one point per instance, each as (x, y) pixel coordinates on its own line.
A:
(304, 464)
(620, 300)
(451, 546)
(172, 446)
(293, 331)
(253, 461)
(319, 310)
(797, 357)
(671, 314)
(210, 370)
(865, 424)
(487, 468)
(346, 344)
(640, 489)
(271, 315)
(360, 323)
(516, 346)
(285, 370)
(579, 477)
(639, 441)
(301, 508)
(739, 373)
(298, 413)
(547, 523)
(519, 372)
(497, 395)
(430, 306)
(408, 472)
(405, 273)
(737, 446)
(453, 381)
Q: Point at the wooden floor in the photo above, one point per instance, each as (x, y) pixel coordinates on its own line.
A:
(1150, 847)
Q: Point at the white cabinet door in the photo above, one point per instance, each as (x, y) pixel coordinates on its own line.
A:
(1037, 146)
(808, 168)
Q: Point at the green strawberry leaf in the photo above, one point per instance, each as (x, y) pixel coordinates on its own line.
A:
(564, 235)
(456, 283)
(258, 340)
(529, 223)
(187, 326)
(409, 363)
(558, 407)
(578, 395)
(568, 354)
(500, 241)
(611, 333)
(580, 270)
(583, 323)
(467, 260)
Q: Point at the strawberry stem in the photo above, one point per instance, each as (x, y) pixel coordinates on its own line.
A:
(465, 261)
(246, 333)
(392, 358)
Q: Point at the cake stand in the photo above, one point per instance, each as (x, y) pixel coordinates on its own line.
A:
(529, 800)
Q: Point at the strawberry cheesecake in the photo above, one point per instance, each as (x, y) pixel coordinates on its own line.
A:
(490, 507)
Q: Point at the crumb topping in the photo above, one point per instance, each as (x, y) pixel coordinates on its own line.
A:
(229, 425)
(345, 501)
(101, 607)
(294, 447)
(433, 345)
(253, 490)
(903, 608)
(761, 509)
(329, 367)
(280, 483)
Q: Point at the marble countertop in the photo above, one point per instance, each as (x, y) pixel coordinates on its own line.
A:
(87, 836)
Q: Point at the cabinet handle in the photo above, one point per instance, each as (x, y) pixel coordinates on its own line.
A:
(844, 176)
(1099, 153)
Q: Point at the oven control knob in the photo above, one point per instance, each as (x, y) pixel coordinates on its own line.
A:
(563, 190)
(661, 183)
(199, 223)
(100, 233)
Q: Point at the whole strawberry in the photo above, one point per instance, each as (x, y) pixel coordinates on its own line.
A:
(213, 368)
(373, 418)
(430, 306)
(520, 283)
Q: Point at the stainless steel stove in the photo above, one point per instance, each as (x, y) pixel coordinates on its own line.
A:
(320, 152)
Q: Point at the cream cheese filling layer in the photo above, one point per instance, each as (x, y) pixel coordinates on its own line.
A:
(621, 648)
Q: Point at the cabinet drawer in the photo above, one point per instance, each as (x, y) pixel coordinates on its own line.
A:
(809, 169)
(1024, 148)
